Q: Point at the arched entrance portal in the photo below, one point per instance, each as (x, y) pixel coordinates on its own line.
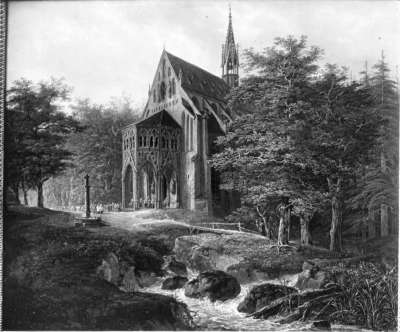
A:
(128, 183)
(147, 186)
(169, 189)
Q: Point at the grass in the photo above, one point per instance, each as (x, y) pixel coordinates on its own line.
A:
(50, 280)
(370, 297)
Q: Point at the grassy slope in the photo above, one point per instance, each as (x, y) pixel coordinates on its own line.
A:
(50, 281)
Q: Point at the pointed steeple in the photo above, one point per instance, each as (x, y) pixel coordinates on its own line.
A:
(230, 57)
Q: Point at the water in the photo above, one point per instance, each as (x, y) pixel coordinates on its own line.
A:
(224, 315)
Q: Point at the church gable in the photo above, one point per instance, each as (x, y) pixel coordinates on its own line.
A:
(198, 80)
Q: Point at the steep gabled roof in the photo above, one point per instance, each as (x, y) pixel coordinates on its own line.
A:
(198, 80)
(162, 118)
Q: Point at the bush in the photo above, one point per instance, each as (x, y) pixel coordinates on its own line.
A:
(370, 297)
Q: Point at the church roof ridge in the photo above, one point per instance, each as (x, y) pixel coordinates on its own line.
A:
(198, 79)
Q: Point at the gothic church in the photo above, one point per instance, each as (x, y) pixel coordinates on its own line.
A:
(165, 154)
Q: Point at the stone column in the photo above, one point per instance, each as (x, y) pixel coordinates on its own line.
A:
(207, 169)
(135, 188)
(123, 190)
(158, 203)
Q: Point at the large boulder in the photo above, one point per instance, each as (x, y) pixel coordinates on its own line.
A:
(129, 281)
(147, 278)
(174, 282)
(173, 267)
(262, 295)
(109, 269)
(312, 277)
(216, 285)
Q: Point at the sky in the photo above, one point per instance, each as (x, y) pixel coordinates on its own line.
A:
(106, 49)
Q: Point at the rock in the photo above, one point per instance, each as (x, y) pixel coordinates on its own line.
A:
(216, 285)
(129, 281)
(109, 269)
(245, 256)
(309, 265)
(321, 325)
(311, 280)
(174, 282)
(146, 278)
(172, 266)
(262, 295)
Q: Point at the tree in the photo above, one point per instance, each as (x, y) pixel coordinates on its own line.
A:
(258, 151)
(341, 131)
(377, 185)
(96, 151)
(37, 133)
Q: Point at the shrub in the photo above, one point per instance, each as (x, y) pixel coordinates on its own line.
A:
(369, 299)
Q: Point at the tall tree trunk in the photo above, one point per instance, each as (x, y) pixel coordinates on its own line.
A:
(15, 189)
(335, 188)
(284, 213)
(305, 236)
(336, 225)
(384, 213)
(25, 196)
(371, 225)
(40, 194)
(267, 228)
(384, 220)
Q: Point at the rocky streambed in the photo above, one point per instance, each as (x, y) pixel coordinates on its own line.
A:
(237, 282)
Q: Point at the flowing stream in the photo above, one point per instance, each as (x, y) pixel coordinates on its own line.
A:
(224, 315)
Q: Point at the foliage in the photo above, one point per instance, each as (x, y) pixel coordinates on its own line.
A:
(258, 157)
(370, 298)
(36, 132)
(96, 151)
(299, 135)
(378, 183)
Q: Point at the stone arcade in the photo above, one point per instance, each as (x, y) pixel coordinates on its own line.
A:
(165, 153)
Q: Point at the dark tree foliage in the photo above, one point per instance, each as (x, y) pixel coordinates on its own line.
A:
(36, 132)
(259, 155)
(299, 137)
(377, 185)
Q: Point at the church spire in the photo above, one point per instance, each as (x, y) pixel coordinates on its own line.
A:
(230, 57)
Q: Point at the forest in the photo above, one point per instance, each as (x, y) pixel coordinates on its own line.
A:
(307, 143)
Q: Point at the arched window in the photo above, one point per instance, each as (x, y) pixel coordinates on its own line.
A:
(173, 87)
(156, 142)
(163, 142)
(162, 91)
(154, 96)
(163, 68)
(169, 71)
(144, 141)
(140, 141)
(169, 89)
(151, 141)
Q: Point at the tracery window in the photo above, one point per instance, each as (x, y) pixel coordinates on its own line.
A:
(173, 87)
(162, 91)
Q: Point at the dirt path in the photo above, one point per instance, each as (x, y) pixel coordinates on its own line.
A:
(138, 220)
